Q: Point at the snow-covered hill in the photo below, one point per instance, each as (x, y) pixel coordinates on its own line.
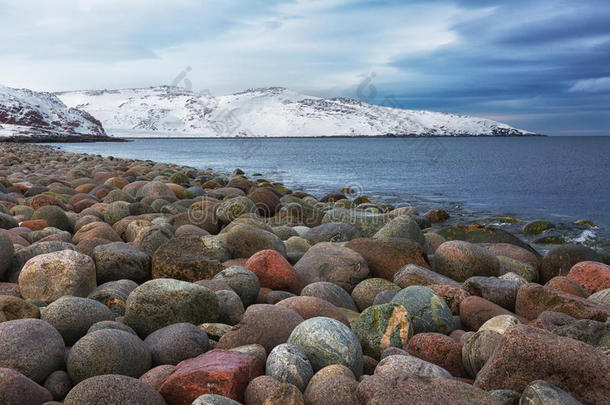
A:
(268, 112)
(27, 114)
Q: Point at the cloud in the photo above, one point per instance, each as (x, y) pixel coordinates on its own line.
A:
(535, 63)
(591, 85)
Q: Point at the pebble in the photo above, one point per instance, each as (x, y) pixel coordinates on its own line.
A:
(241, 280)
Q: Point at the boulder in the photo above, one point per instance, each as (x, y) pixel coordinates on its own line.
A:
(162, 302)
(413, 274)
(73, 316)
(559, 260)
(108, 351)
(526, 354)
(327, 262)
(288, 363)
(32, 347)
(533, 299)
(385, 256)
(16, 389)
(185, 258)
(330, 292)
(592, 276)
(274, 271)
(220, 372)
(113, 389)
(118, 261)
(267, 325)
(176, 342)
(326, 341)
(50, 276)
(428, 310)
(461, 260)
(381, 326)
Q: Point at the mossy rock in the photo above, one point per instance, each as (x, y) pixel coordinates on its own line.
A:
(537, 227)
(381, 326)
(482, 234)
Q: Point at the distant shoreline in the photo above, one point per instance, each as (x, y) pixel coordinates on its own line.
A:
(60, 139)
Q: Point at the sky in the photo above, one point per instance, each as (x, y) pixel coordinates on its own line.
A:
(540, 65)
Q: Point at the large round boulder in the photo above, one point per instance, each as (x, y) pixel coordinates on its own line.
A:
(326, 341)
(32, 347)
(113, 389)
(461, 260)
(177, 342)
(187, 258)
(428, 310)
(73, 316)
(381, 326)
(118, 261)
(327, 262)
(108, 351)
(559, 260)
(50, 276)
(161, 302)
(288, 363)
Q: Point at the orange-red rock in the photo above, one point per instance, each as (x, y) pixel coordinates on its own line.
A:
(475, 311)
(220, 372)
(592, 276)
(274, 271)
(41, 200)
(35, 224)
(562, 283)
(533, 299)
(438, 349)
(85, 188)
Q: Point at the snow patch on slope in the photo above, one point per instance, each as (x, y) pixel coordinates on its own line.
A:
(267, 112)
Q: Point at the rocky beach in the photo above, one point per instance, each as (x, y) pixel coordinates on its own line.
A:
(126, 281)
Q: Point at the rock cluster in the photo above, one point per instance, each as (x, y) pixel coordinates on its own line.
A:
(126, 281)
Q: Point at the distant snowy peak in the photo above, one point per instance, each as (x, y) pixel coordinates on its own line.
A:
(29, 114)
(265, 112)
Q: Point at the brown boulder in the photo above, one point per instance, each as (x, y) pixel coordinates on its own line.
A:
(386, 256)
(398, 388)
(267, 325)
(310, 307)
(438, 349)
(475, 311)
(533, 299)
(526, 354)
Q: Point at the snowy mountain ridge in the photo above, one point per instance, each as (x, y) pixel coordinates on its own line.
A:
(27, 114)
(166, 111)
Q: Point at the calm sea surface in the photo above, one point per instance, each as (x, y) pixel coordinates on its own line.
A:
(561, 179)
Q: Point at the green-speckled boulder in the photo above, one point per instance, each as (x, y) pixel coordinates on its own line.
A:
(429, 311)
(161, 302)
(381, 326)
(536, 227)
(326, 341)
